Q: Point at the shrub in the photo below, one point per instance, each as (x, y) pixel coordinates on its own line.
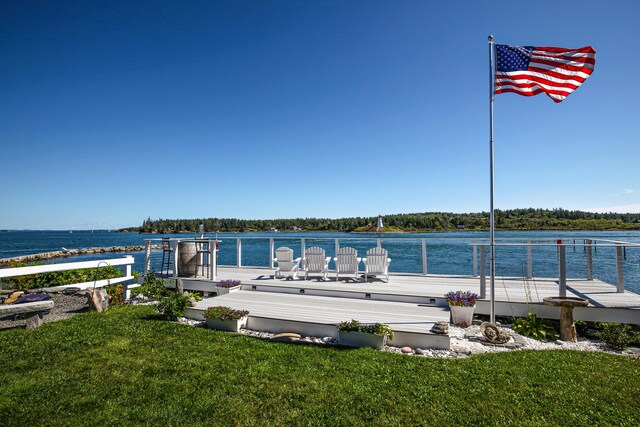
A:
(615, 335)
(533, 327)
(57, 278)
(172, 305)
(116, 294)
(370, 328)
(153, 287)
(224, 313)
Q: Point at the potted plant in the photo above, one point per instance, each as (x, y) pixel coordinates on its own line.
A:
(225, 318)
(226, 286)
(374, 335)
(462, 305)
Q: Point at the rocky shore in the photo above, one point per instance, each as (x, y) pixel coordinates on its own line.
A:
(71, 252)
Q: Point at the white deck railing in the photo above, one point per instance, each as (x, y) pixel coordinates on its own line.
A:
(126, 261)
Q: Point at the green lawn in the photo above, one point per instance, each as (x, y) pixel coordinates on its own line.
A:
(125, 367)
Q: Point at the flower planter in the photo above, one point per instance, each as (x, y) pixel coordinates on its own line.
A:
(462, 316)
(227, 325)
(362, 339)
(222, 291)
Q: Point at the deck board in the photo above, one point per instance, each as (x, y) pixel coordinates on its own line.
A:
(508, 289)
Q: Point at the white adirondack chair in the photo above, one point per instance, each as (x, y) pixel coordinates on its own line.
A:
(315, 262)
(376, 263)
(286, 263)
(347, 262)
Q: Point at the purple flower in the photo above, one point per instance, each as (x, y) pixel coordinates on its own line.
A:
(228, 283)
(462, 299)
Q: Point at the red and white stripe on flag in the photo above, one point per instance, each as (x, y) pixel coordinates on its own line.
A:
(554, 71)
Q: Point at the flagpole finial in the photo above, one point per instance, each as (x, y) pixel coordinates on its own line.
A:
(490, 37)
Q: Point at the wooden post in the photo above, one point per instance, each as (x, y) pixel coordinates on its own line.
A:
(303, 247)
(563, 270)
(620, 269)
(271, 252)
(239, 252)
(483, 273)
(529, 260)
(337, 246)
(213, 260)
(379, 243)
(424, 256)
(589, 259)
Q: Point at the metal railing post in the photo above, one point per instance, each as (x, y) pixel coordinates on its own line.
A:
(475, 259)
(483, 273)
(213, 260)
(529, 260)
(620, 269)
(589, 259)
(271, 252)
(239, 252)
(176, 258)
(563, 270)
(147, 256)
(424, 256)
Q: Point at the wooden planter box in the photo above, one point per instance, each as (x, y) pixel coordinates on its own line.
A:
(222, 291)
(362, 339)
(227, 325)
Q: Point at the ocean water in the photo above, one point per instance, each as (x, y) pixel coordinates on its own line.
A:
(447, 253)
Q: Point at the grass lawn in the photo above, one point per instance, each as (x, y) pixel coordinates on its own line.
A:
(125, 367)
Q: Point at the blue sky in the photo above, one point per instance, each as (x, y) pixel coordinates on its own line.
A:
(111, 112)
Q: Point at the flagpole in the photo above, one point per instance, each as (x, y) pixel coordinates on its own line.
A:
(492, 243)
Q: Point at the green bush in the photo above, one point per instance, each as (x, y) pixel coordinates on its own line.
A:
(616, 335)
(153, 287)
(224, 313)
(172, 305)
(57, 278)
(371, 328)
(116, 294)
(533, 327)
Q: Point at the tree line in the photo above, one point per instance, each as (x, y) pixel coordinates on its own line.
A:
(511, 219)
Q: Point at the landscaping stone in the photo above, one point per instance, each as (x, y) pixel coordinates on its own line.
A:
(406, 350)
(34, 321)
(441, 328)
(286, 337)
(420, 351)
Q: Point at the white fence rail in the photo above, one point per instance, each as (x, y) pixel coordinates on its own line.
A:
(126, 261)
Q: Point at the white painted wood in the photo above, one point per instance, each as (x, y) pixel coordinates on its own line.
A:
(376, 263)
(239, 252)
(347, 262)
(47, 268)
(85, 285)
(27, 307)
(483, 272)
(315, 262)
(475, 258)
(176, 257)
(589, 250)
(286, 263)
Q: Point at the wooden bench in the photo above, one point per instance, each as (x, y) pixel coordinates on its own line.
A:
(37, 308)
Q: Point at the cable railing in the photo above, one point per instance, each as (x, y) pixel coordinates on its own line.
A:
(612, 261)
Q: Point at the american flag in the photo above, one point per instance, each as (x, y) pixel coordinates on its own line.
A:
(555, 71)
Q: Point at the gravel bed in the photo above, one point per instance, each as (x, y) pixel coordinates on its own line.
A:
(64, 307)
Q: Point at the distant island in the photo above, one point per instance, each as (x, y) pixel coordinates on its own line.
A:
(506, 220)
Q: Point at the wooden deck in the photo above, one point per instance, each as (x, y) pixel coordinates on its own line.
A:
(409, 301)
